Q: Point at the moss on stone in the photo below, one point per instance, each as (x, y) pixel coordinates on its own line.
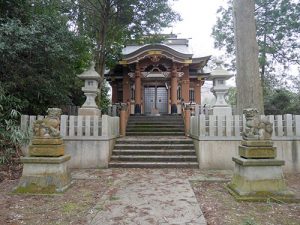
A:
(33, 188)
(262, 196)
(243, 185)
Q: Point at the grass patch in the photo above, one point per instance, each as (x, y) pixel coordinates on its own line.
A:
(113, 198)
(70, 207)
(249, 221)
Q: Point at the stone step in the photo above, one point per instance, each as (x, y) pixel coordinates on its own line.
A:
(155, 158)
(155, 133)
(155, 125)
(154, 146)
(116, 164)
(155, 117)
(153, 141)
(154, 152)
(154, 129)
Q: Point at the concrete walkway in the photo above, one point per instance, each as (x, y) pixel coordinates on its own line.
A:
(148, 197)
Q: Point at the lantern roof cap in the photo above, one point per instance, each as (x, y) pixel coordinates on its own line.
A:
(219, 72)
(90, 74)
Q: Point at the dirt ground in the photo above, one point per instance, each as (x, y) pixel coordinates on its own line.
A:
(79, 201)
(71, 207)
(220, 208)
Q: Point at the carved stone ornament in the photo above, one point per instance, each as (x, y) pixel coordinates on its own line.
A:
(49, 126)
(256, 128)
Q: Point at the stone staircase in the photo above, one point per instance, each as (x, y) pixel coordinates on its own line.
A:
(154, 142)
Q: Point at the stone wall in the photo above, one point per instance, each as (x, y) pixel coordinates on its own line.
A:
(217, 154)
(89, 153)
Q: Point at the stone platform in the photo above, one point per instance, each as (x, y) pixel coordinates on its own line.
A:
(259, 180)
(44, 175)
(258, 176)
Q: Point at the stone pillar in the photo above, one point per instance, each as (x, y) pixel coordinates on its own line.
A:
(114, 97)
(185, 85)
(123, 119)
(197, 89)
(174, 85)
(138, 90)
(126, 89)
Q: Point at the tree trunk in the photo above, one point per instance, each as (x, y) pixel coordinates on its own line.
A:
(101, 42)
(249, 88)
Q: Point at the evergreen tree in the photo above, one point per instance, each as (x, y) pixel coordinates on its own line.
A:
(278, 32)
(40, 55)
(111, 24)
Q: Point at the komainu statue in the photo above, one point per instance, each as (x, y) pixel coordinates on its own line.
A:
(49, 126)
(256, 128)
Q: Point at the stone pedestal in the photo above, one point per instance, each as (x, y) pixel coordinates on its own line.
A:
(155, 112)
(47, 147)
(89, 112)
(257, 150)
(257, 174)
(44, 175)
(222, 110)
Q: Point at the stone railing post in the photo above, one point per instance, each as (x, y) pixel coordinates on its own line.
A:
(123, 118)
(128, 112)
(187, 118)
(105, 126)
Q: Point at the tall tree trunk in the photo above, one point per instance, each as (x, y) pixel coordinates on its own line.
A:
(249, 88)
(264, 50)
(101, 42)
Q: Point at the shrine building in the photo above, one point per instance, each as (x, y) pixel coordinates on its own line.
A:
(158, 78)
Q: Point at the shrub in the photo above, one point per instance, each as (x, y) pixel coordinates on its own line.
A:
(11, 136)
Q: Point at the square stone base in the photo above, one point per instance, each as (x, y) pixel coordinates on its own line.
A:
(259, 180)
(89, 112)
(254, 152)
(222, 110)
(44, 175)
(46, 150)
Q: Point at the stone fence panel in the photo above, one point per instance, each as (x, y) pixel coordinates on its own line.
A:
(88, 139)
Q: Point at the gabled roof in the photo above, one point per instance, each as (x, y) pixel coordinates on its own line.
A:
(132, 54)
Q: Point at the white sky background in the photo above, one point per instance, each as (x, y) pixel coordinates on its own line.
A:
(198, 19)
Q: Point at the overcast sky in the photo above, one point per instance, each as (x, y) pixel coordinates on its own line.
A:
(198, 16)
(198, 19)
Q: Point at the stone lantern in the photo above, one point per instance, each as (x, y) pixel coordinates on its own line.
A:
(91, 80)
(220, 89)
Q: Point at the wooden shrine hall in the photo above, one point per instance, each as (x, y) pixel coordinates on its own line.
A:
(158, 78)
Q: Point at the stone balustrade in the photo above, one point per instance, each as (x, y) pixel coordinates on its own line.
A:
(217, 138)
(230, 127)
